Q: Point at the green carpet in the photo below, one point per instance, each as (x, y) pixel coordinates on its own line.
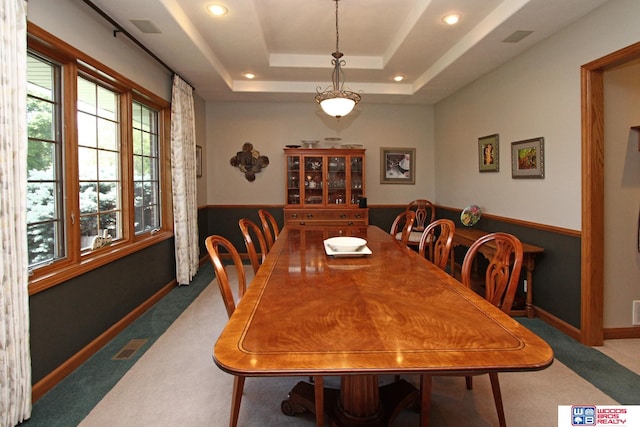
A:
(69, 402)
(73, 398)
(610, 377)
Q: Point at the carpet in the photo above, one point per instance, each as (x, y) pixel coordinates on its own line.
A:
(173, 380)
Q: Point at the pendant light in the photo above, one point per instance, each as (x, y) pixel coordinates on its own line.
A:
(335, 100)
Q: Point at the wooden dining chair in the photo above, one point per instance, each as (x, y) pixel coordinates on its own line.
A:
(436, 242)
(269, 226)
(501, 282)
(425, 214)
(214, 244)
(251, 231)
(402, 226)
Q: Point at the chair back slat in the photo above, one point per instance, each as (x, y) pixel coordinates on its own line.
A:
(250, 230)
(269, 227)
(425, 213)
(503, 272)
(402, 226)
(214, 244)
(436, 241)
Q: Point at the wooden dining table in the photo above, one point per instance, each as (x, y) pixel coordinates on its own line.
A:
(306, 313)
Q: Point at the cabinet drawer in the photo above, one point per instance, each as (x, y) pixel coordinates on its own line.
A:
(327, 216)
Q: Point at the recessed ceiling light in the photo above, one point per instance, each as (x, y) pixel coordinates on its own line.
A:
(249, 75)
(398, 78)
(217, 10)
(451, 19)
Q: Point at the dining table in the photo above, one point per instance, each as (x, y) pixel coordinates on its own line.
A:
(313, 312)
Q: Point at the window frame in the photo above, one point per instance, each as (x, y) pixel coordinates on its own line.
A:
(74, 63)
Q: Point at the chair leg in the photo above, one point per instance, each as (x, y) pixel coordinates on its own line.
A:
(318, 388)
(425, 399)
(236, 398)
(469, 381)
(497, 397)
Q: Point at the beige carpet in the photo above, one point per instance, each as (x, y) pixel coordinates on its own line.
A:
(176, 383)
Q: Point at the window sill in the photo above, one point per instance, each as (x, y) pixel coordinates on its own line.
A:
(91, 261)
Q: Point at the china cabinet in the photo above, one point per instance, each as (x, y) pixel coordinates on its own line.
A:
(325, 186)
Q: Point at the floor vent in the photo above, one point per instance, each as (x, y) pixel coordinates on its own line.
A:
(130, 349)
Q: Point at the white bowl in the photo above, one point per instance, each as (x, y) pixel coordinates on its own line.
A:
(345, 244)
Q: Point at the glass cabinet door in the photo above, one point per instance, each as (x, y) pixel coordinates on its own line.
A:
(336, 181)
(357, 179)
(313, 180)
(293, 180)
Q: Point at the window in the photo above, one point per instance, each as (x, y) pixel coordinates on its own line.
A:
(146, 184)
(96, 164)
(45, 225)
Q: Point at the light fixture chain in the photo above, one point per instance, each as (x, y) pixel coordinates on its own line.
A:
(337, 32)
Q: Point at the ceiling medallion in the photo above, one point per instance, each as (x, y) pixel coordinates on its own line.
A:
(335, 100)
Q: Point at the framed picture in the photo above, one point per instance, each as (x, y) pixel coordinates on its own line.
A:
(488, 153)
(198, 161)
(527, 158)
(397, 165)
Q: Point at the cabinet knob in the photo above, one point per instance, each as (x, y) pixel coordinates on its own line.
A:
(358, 215)
(294, 216)
(350, 222)
(309, 215)
(302, 223)
(343, 216)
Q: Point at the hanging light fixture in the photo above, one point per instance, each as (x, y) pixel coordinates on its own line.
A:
(335, 100)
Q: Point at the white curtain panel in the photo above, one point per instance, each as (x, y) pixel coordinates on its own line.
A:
(183, 178)
(15, 358)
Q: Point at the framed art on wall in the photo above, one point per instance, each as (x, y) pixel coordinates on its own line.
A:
(488, 153)
(397, 165)
(527, 158)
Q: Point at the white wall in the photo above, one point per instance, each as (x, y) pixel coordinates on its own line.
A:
(538, 94)
(622, 192)
(271, 126)
(81, 27)
(535, 95)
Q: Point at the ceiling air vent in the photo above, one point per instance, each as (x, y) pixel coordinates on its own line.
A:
(146, 26)
(516, 36)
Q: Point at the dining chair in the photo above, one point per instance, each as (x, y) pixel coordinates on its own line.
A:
(214, 244)
(501, 282)
(251, 231)
(436, 242)
(402, 226)
(425, 214)
(269, 226)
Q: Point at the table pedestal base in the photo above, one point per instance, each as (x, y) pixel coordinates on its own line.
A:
(393, 398)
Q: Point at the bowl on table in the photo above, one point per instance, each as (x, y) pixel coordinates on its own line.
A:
(346, 244)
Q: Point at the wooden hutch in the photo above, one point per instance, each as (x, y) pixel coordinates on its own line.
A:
(324, 186)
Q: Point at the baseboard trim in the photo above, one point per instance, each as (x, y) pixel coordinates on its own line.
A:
(621, 333)
(48, 382)
(557, 323)
(608, 333)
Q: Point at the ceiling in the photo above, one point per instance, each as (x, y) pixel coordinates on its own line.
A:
(287, 44)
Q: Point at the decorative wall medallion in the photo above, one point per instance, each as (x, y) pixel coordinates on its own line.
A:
(249, 161)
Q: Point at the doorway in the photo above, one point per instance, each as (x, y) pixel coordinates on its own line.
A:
(592, 253)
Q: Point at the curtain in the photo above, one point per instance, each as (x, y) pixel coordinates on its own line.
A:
(183, 179)
(15, 358)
